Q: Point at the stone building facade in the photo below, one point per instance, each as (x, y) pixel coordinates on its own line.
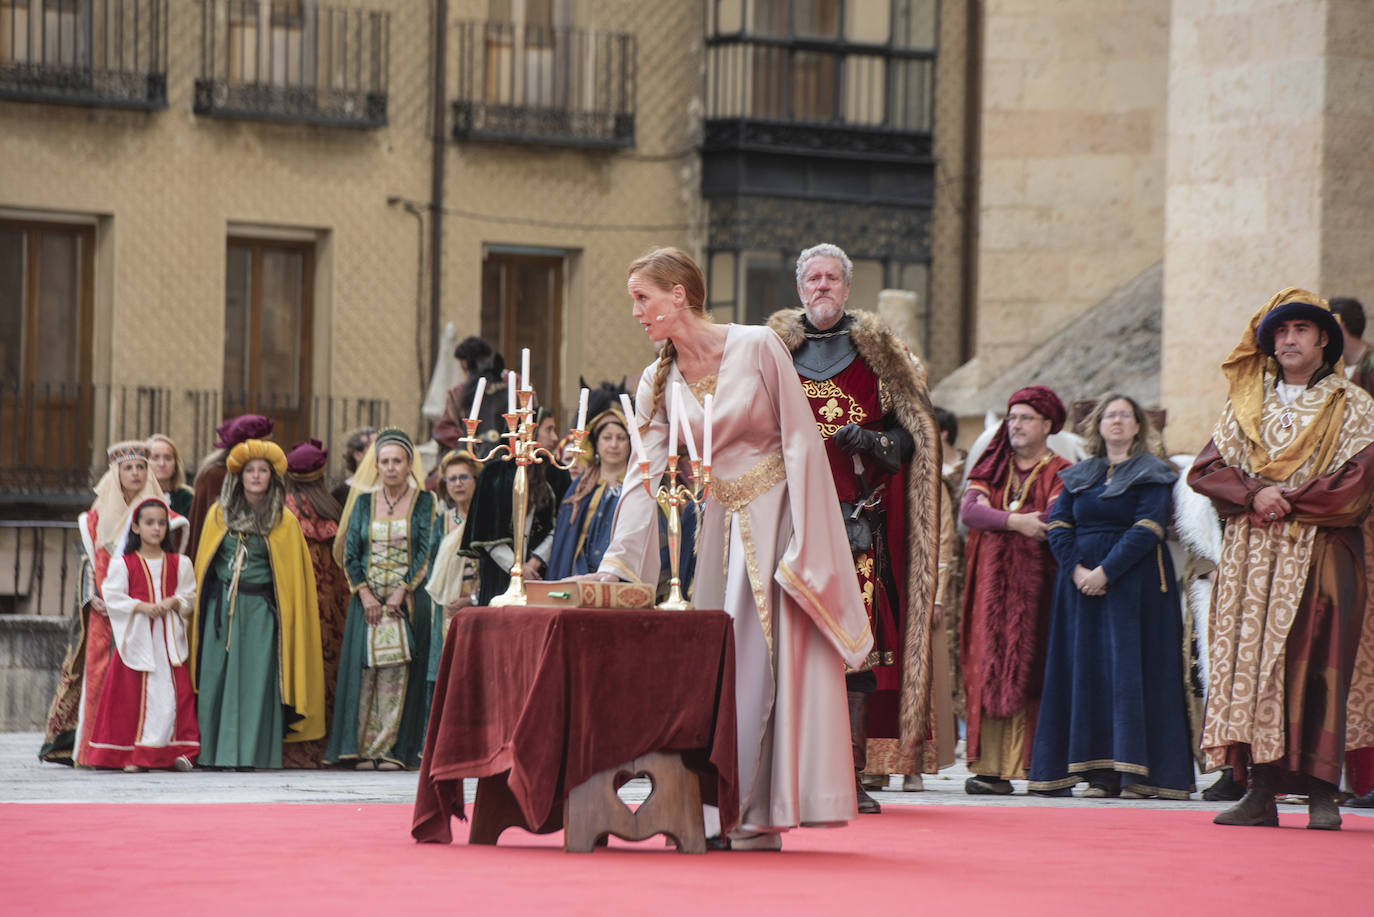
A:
(212, 206)
(1226, 140)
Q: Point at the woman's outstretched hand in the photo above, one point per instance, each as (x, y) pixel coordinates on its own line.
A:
(592, 578)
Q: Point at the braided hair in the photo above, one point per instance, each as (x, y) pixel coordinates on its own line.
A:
(667, 268)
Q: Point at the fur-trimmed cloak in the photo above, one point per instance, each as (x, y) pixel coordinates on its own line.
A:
(905, 379)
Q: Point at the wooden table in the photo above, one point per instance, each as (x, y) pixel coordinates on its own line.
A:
(553, 708)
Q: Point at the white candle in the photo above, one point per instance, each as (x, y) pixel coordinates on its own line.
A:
(636, 442)
(706, 436)
(674, 406)
(582, 411)
(686, 425)
(477, 398)
(525, 367)
(511, 381)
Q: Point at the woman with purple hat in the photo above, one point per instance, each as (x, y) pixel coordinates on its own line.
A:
(318, 512)
(210, 474)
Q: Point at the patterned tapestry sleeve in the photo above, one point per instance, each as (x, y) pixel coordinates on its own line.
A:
(1148, 532)
(1230, 489)
(1339, 499)
(1063, 538)
(87, 581)
(356, 543)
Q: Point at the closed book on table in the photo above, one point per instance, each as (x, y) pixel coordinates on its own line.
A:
(590, 595)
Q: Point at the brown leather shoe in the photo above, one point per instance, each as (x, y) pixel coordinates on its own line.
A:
(1256, 808)
(1322, 812)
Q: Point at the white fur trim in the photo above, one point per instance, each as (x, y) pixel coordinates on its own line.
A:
(1195, 519)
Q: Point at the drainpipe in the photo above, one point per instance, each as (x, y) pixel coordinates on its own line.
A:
(436, 194)
(973, 116)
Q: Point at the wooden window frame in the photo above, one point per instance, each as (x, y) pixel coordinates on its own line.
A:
(33, 230)
(306, 329)
(507, 345)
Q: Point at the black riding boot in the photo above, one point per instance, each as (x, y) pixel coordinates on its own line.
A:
(858, 743)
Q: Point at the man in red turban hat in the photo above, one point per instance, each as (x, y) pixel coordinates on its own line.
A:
(1010, 576)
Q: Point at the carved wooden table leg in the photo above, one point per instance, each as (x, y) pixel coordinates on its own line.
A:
(593, 810)
(495, 809)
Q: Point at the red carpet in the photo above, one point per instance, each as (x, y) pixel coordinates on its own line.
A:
(312, 859)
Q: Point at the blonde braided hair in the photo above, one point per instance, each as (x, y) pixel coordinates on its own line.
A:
(667, 268)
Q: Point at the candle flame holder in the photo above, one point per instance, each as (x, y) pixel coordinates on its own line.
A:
(520, 448)
(672, 498)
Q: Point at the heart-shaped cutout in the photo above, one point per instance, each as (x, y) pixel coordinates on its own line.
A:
(633, 789)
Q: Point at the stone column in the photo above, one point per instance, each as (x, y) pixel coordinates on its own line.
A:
(1270, 178)
(1072, 202)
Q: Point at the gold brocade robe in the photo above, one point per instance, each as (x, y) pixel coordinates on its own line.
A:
(1263, 574)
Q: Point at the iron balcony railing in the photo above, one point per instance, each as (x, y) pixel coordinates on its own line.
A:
(560, 86)
(110, 53)
(291, 60)
(874, 100)
(53, 436)
(40, 565)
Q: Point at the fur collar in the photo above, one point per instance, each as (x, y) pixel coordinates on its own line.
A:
(905, 379)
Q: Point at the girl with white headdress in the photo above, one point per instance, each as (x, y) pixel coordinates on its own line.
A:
(126, 482)
(146, 716)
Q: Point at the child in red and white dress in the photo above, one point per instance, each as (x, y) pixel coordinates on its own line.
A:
(147, 713)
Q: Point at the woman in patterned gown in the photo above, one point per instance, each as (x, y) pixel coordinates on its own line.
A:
(380, 702)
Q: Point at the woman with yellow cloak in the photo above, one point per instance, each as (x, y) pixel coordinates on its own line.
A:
(255, 653)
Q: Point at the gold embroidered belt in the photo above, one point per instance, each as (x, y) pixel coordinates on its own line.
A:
(767, 473)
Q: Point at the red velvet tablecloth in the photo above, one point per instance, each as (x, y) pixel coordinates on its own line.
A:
(556, 695)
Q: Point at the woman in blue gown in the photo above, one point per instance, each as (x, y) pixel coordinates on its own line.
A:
(587, 515)
(1113, 711)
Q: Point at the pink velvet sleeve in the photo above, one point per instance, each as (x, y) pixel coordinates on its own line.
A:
(980, 516)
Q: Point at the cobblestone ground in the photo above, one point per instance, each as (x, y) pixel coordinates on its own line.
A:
(26, 780)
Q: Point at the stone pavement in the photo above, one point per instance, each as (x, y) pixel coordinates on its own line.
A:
(25, 779)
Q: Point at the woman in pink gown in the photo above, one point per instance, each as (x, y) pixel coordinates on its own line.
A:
(772, 550)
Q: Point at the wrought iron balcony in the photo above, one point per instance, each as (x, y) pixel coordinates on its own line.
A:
(97, 53)
(53, 436)
(292, 60)
(832, 98)
(560, 86)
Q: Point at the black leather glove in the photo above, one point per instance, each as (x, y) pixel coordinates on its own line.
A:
(881, 446)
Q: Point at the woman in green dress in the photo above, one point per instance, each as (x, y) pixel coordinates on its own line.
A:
(380, 703)
(255, 651)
